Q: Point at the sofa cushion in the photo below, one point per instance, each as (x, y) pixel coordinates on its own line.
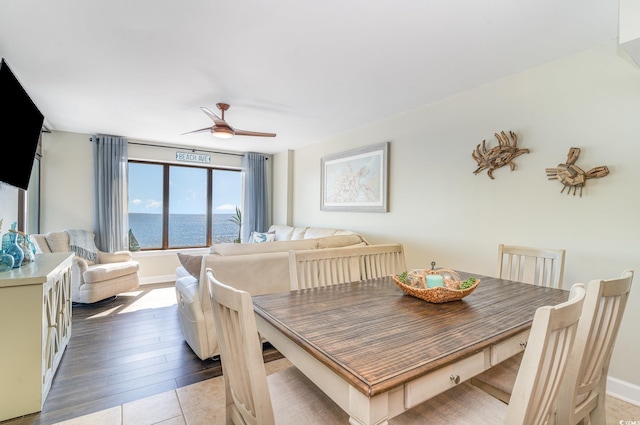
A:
(191, 263)
(58, 241)
(258, 248)
(339, 241)
(40, 242)
(299, 233)
(102, 272)
(283, 233)
(317, 232)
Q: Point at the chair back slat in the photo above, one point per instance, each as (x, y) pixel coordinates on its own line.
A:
(329, 266)
(539, 266)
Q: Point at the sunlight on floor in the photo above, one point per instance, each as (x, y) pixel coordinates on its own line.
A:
(157, 298)
(142, 299)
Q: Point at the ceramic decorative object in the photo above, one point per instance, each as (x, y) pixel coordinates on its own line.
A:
(134, 245)
(15, 251)
(31, 245)
(7, 237)
(29, 256)
(6, 261)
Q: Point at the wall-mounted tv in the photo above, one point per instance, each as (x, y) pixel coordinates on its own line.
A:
(21, 125)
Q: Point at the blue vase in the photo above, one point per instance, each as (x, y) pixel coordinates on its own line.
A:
(6, 261)
(15, 251)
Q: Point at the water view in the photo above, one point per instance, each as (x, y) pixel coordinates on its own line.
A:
(184, 229)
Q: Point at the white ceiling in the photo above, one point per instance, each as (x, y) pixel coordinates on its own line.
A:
(305, 70)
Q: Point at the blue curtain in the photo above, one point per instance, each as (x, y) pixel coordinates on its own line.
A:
(256, 205)
(111, 217)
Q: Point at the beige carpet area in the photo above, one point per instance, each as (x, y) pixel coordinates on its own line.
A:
(203, 404)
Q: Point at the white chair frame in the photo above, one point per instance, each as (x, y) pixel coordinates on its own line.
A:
(539, 266)
(321, 267)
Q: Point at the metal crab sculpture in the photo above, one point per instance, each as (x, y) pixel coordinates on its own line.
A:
(498, 156)
(572, 176)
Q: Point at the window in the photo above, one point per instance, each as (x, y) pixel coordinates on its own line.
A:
(176, 206)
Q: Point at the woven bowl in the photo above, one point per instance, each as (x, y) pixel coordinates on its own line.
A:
(439, 294)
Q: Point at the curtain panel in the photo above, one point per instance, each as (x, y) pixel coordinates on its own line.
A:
(111, 219)
(256, 203)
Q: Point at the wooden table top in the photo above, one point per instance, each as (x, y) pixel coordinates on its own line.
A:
(376, 337)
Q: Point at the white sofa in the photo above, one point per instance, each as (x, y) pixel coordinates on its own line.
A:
(91, 282)
(258, 268)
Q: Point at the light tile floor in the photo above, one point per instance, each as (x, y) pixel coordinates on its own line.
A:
(203, 404)
(197, 404)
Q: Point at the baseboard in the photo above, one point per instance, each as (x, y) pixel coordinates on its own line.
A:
(157, 279)
(623, 390)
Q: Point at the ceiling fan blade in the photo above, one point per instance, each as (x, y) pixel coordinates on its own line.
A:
(253, 133)
(216, 119)
(202, 130)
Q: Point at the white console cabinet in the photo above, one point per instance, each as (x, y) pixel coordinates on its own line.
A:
(35, 327)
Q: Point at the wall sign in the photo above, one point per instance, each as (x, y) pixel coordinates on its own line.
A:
(193, 157)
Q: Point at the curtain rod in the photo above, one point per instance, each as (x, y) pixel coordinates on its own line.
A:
(185, 148)
(175, 147)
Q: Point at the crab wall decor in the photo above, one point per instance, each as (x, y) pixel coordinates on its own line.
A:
(498, 156)
(572, 176)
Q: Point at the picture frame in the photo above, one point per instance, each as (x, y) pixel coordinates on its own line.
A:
(355, 180)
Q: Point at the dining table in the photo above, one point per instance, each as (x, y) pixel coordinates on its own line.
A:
(377, 351)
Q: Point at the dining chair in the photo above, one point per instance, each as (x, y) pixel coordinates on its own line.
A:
(329, 266)
(285, 397)
(539, 266)
(552, 336)
(583, 389)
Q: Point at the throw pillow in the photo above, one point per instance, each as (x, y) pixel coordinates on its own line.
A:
(192, 263)
(258, 237)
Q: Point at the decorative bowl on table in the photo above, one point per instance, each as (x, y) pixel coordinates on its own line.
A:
(435, 286)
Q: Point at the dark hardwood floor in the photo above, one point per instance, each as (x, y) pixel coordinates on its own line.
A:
(123, 350)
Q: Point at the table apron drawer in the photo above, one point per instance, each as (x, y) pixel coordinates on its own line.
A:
(509, 347)
(436, 382)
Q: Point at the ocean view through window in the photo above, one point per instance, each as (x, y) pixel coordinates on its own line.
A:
(145, 228)
(169, 205)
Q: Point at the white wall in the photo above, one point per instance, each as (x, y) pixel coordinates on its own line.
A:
(67, 182)
(8, 206)
(442, 212)
(282, 205)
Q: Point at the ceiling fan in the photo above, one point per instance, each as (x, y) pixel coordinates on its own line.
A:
(223, 130)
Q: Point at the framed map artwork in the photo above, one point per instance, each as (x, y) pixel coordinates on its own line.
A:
(355, 180)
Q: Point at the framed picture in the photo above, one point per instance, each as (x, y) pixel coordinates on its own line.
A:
(355, 180)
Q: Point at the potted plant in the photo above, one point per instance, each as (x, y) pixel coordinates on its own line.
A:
(237, 219)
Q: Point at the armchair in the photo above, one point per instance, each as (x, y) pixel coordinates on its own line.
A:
(92, 280)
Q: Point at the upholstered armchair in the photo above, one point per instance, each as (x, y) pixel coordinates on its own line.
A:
(95, 275)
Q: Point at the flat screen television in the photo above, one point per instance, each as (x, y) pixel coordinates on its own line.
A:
(20, 128)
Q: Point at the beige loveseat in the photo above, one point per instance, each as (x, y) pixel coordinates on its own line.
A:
(91, 281)
(258, 268)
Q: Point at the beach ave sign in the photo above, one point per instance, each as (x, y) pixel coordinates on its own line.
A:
(193, 157)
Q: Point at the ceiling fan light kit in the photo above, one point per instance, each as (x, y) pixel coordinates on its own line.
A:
(221, 129)
(222, 132)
